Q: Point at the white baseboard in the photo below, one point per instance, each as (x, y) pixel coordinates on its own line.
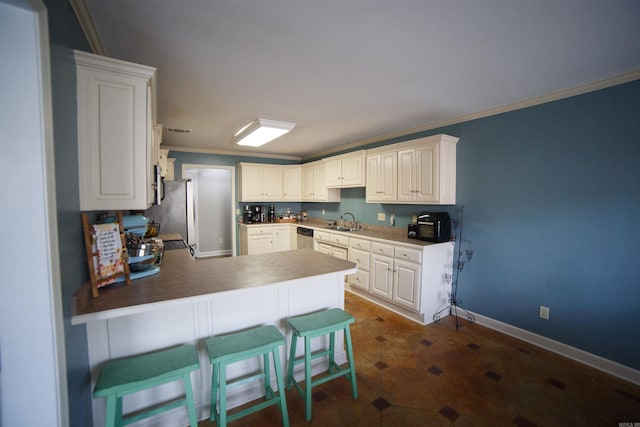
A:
(614, 368)
(214, 253)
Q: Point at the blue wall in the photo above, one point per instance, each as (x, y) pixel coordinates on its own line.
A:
(65, 35)
(551, 199)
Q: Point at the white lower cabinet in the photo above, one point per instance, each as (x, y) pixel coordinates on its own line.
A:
(262, 239)
(359, 253)
(332, 244)
(402, 277)
(393, 277)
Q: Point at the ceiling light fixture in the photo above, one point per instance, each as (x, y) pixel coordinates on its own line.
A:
(260, 131)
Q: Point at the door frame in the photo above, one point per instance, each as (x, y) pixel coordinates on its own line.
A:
(232, 208)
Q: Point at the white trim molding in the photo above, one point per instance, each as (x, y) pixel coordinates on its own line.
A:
(614, 368)
(86, 23)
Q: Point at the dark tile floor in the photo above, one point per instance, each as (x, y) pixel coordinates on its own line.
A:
(413, 375)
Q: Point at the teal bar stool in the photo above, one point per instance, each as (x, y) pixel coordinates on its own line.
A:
(227, 349)
(315, 325)
(121, 377)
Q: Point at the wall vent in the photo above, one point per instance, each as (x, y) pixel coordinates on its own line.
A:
(178, 130)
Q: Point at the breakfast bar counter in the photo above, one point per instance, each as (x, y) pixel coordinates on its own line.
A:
(182, 277)
(190, 300)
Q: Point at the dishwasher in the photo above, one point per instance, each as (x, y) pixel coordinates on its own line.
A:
(305, 238)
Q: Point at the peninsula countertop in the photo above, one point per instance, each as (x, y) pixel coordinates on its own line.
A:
(183, 278)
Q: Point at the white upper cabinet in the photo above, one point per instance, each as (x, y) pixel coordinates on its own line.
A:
(292, 183)
(425, 172)
(116, 109)
(260, 182)
(346, 170)
(382, 177)
(314, 184)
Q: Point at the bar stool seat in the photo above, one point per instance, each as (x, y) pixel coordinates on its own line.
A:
(227, 349)
(315, 325)
(132, 374)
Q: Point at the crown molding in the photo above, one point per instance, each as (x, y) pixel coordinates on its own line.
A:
(86, 23)
(553, 96)
(230, 153)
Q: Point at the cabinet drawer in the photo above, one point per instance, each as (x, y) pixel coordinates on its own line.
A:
(381, 249)
(359, 257)
(364, 245)
(339, 252)
(259, 231)
(322, 235)
(360, 280)
(324, 248)
(339, 239)
(407, 254)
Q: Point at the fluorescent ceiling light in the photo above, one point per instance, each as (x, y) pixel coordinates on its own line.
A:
(261, 131)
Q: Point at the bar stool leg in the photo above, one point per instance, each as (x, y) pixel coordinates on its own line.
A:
(268, 391)
(281, 389)
(214, 392)
(307, 377)
(352, 374)
(292, 357)
(222, 414)
(191, 408)
(332, 346)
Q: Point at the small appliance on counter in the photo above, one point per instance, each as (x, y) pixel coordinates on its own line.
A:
(431, 227)
(272, 214)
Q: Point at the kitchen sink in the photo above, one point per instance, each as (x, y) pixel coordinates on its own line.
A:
(342, 228)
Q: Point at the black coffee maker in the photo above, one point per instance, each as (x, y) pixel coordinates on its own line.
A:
(247, 215)
(271, 217)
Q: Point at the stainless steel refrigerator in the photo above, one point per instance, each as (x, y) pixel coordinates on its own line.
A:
(174, 213)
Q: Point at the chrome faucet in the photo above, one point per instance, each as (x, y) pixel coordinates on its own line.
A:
(354, 223)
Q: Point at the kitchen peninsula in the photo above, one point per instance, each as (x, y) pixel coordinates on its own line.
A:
(190, 300)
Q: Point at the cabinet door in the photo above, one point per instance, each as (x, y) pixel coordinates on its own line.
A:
(272, 184)
(382, 276)
(333, 172)
(406, 289)
(114, 151)
(251, 188)
(407, 187)
(260, 244)
(281, 241)
(352, 171)
(319, 183)
(427, 174)
(292, 183)
(307, 183)
(382, 177)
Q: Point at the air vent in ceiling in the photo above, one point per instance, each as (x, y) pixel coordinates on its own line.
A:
(178, 130)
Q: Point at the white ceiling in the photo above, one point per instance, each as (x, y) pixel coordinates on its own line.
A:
(353, 71)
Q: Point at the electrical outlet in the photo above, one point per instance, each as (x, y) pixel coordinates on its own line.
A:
(221, 240)
(322, 212)
(237, 211)
(392, 219)
(381, 216)
(414, 218)
(544, 312)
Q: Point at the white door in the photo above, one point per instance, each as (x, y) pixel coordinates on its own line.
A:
(33, 375)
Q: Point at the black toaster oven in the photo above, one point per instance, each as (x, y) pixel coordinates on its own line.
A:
(431, 227)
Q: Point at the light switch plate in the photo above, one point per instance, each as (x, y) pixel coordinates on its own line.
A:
(381, 216)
